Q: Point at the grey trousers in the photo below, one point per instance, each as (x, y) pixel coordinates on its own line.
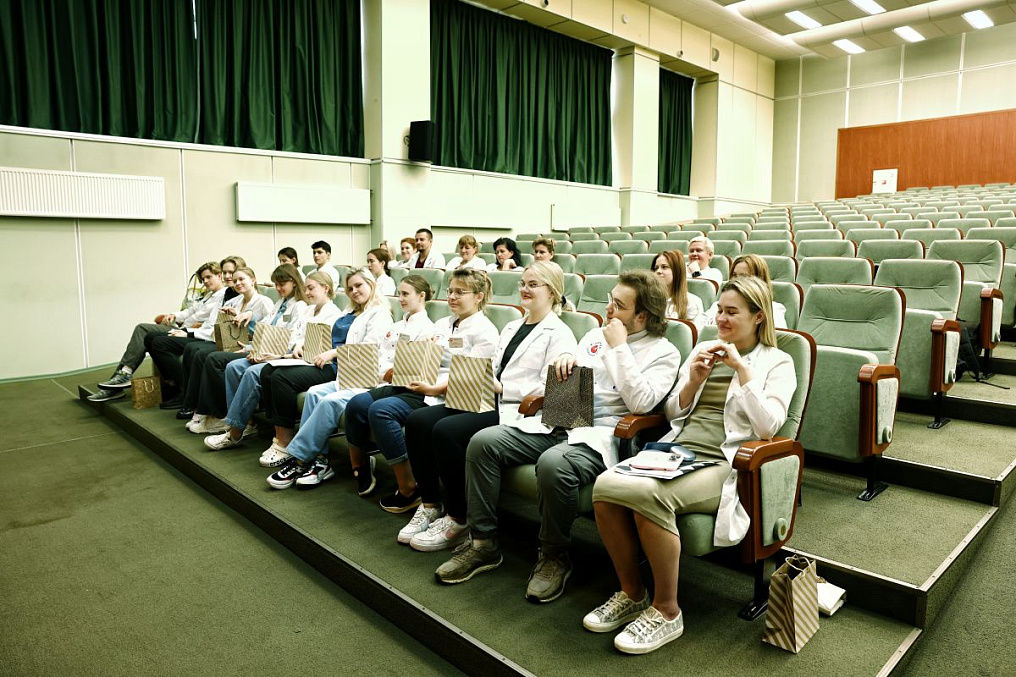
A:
(135, 353)
(561, 469)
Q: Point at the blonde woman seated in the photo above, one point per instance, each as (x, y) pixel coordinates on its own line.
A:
(468, 248)
(752, 264)
(670, 267)
(729, 391)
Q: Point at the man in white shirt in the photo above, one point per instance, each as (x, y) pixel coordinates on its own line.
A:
(322, 252)
(634, 368)
(424, 257)
(700, 253)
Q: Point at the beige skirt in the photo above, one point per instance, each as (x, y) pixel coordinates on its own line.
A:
(662, 500)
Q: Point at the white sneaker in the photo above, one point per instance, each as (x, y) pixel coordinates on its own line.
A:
(649, 632)
(195, 421)
(422, 519)
(208, 425)
(274, 455)
(614, 613)
(222, 441)
(250, 429)
(443, 534)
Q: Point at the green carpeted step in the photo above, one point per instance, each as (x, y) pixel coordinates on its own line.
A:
(972, 390)
(961, 445)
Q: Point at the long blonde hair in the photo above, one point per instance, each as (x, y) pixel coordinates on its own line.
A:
(375, 300)
(759, 298)
(550, 274)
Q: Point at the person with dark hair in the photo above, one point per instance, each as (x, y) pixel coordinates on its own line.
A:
(507, 253)
(468, 255)
(756, 266)
(425, 256)
(288, 255)
(407, 247)
(634, 367)
(230, 265)
(670, 268)
(322, 252)
(377, 264)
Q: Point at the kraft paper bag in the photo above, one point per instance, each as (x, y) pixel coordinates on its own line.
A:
(792, 615)
(416, 361)
(317, 339)
(569, 404)
(227, 335)
(470, 384)
(269, 340)
(357, 366)
(146, 391)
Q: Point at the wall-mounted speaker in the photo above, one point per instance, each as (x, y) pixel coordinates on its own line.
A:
(421, 141)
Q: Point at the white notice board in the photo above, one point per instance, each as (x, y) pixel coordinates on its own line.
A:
(883, 181)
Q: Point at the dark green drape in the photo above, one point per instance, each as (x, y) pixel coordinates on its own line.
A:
(675, 133)
(510, 97)
(273, 74)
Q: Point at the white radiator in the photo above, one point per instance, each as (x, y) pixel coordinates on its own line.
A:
(78, 195)
(269, 203)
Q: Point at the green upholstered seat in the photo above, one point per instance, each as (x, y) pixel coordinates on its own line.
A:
(613, 237)
(702, 228)
(1007, 236)
(731, 248)
(964, 225)
(858, 235)
(710, 220)
(650, 236)
(625, 247)
(801, 226)
(772, 225)
(903, 226)
(658, 246)
(602, 230)
(707, 290)
(733, 228)
(891, 216)
(929, 235)
(504, 286)
(833, 270)
(634, 229)
(784, 235)
(792, 297)
(589, 247)
(834, 248)
(562, 246)
(397, 274)
(684, 235)
(486, 247)
(637, 262)
(595, 292)
(768, 247)
(580, 323)
(783, 268)
(738, 236)
(818, 234)
(501, 315)
(527, 237)
(721, 263)
(597, 264)
(580, 229)
(983, 263)
(437, 309)
(566, 261)
(583, 237)
(879, 250)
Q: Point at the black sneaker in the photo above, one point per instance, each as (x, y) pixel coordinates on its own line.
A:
(398, 503)
(172, 403)
(319, 471)
(106, 395)
(286, 475)
(117, 381)
(365, 480)
(184, 414)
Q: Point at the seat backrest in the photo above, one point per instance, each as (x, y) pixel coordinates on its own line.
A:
(721, 263)
(782, 268)
(527, 237)
(830, 270)
(573, 284)
(580, 229)
(770, 235)
(486, 247)
(504, 286)
(878, 250)
(437, 309)
(711, 220)
(1007, 236)
(595, 291)
(929, 235)
(994, 215)
(769, 248)
(982, 259)
(702, 228)
(935, 218)
(661, 228)
(837, 219)
(606, 229)
(683, 336)
(791, 296)
(964, 225)
(890, 216)
(935, 286)
(611, 237)
(397, 274)
(589, 247)
(566, 261)
(562, 246)
(684, 235)
(900, 225)
(773, 225)
(731, 248)
(580, 323)
(858, 235)
(634, 229)
(861, 317)
(583, 237)
(801, 226)
(658, 246)
(838, 248)
(527, 259)
(734, 227)
(650, 236)
(626, 247)
(490, 257)
(597, 264)
(441, 293)
(501, 315)
(970, 210)
(707, 290)
(637, 262)
(738, 236)
(805, 235)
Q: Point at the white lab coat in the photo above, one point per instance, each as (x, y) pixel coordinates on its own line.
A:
(327, 315)
(695, 313)
(433, 260)
(385, 285)
(709, 273)
(208, 305)
(755, 411)
(475, 262)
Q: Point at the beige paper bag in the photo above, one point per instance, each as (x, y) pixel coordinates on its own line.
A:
(269, 340)
(792, 615)
(357, 366)
(316, 340)
(416, 361)
(470, 384)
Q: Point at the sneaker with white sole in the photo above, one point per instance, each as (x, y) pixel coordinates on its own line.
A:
(422, 519)
(286, 475)
(118, 381)
(223, 441)
(249, 429)
(615, 612)
(443, 534)
(319, 471)
(195, 421)
(546, 582)
(208, 425)
(274, 455)
(649, 632)
(105, 395)
(469, 560)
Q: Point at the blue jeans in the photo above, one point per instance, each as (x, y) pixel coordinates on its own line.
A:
(322, 409)
(385, 418)
(234, 373)
(246, 395)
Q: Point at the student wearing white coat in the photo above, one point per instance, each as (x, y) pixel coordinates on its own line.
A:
(437, 436)
(468, 255)
(752, 264)
(729, 391)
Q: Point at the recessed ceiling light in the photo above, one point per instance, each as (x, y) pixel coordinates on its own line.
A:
(802, 19)
(869, 6)
(978, 19)
(848, 46)
(908, 34)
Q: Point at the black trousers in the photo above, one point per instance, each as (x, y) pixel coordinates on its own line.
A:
(166, 351)
(194, 356)
(281, 385)
(212, 394)
(436, 438)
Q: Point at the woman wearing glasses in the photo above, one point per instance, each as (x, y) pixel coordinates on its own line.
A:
(384, 411)
(438, 436)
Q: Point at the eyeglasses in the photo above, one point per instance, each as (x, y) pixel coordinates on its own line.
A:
(612, 302)
(531, 286)
(456, 293)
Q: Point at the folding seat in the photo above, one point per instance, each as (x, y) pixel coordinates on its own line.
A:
(490, 257)
(527, 259)
(781, 268)
(562, 246)
(650, 236)
(750, 220)
(721, 263)
(657, 246)
(964, 225)
(1002, 185)
(525, 237)
(397, 274)
(802, 235)
(729, 235)
(853, 402)
(981, 303)
(968, 210)
(580, 229)
(769, 248)
(584, 237)
(589, 247)
(614, 237)
(900, 205)
(634, 229)
(685, 234)
(733, 228)
(597, 264)
(625, 247)
(822, 248)
(990, 204)
(437, 309)
(858, 235)
(791, 296)
(872, 212)
(943, 205)
(606, 229)
(637, 262)
(580, 323)
(703, 228)
(707, 290)
(969, 186)
(743, 215)
(1006, 222)
(837, 219)
(901, 226)
(573, 285)
(566, 261)
(833, 270)
(996, 214)
(711, 220)
(665, 228)
(891, 216)
(769, 235)
(1006, 234)
(505, 286)
(914, 211)
(595, 290)
(730, 248)
(936, 218)
(500, 315)
(771, 226)
(778, 218)
(929, 235)
(879, 250)
(930, 343)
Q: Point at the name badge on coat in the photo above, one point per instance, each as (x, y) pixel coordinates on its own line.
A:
(455, 342)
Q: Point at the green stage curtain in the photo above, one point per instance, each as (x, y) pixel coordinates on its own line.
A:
(675, 133)
(510, 97)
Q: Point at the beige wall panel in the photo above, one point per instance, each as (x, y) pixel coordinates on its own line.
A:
(631, 21)
(301, 172)
(34, 152)
(991, 46)
(725, 64)
(595, 13)
(703, 150)
(784, 168)
(664, 32)
(726, 139)
(982, 90)
(149, 251)
(821, 117)
(742, 156)
(48, 309)
(788, 77)
(359, 176)
(873, 105)
(881, 65)
(766, 77)
(745, 68)
(821, 74)
(212, 229)
(929, 97)
(695, 43)
(932, 56)
(763, 174)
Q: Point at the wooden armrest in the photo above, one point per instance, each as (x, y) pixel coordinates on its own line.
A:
(868, 377)
(632, 424)
(751, 455)
(388, 376)
(530, 405)
(939, 328)
(988, 296)
(749, 458)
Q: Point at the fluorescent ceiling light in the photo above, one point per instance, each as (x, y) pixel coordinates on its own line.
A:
(848, 47)
(978, 19)
(802, 19)
(908, 34)
(869, 6)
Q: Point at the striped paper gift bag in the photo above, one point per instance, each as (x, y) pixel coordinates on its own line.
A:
(316, 340)
(357, 366)
(228, 336)
(792, 615)
(269, 341)
(470, 384)
(416, 361)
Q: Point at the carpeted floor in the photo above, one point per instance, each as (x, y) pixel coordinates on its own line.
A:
(960, 445)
